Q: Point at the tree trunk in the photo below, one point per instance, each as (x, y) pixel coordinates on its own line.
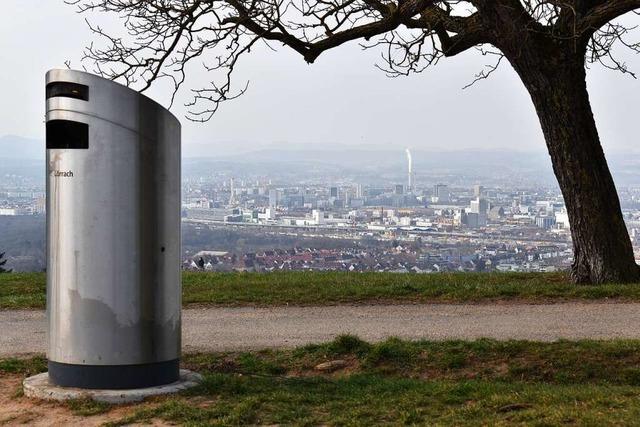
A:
(601, 245)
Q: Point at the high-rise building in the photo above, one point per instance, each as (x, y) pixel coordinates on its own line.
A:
(333, 192)
(477, 214)
(274, 198)
(479, 206)
(440, 193)
(477, 190)
(359, 191)
(232, 190)
(347, 197)
(399, 189)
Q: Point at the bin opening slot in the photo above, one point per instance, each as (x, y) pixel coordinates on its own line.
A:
(67, 134)
(68, 90)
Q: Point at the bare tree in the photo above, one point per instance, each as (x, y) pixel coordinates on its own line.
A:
(548, 42)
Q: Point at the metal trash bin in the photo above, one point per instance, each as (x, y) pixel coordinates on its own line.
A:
(113, 235)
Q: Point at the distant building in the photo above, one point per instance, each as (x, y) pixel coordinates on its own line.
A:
(545, 221)
(232, 190)
(495, 213)
(479, 206)
(477, 190)
(216, 214)
(347, 197)
(399, 189)
(13, 211)
(333, 192)
(268, 215)
(474, 219)
(293, 201)
(318, 216)
(562, 219)
(440, 193)
(545, 206)
(274, 198)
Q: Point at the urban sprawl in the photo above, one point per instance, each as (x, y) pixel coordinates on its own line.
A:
(340, 224)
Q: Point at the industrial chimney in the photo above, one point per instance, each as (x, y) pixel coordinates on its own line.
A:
(410, 169)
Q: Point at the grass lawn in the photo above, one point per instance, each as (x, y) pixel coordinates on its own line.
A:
(27, 290)
(397, 382)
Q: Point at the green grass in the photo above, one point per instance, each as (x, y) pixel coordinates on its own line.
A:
(614, 362)
(22, 290)
(369, 400)
(396, 382)
(26, 367)
(27, 290)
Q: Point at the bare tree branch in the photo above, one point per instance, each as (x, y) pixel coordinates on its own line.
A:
(605, 11)
(164, 37)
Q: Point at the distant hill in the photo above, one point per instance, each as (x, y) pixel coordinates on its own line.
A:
(17, 147)
(386, 165)
(22, 156)
(393, 158)
(368, 162)
(499, 164)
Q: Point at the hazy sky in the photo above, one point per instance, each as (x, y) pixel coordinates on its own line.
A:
(341, 99)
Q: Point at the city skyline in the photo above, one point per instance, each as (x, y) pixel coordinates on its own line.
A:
(319, 219)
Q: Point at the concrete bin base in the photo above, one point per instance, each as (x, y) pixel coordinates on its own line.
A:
(38, 387)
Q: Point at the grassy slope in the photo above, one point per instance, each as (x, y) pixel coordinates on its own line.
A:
(395, 382)
(27, 290)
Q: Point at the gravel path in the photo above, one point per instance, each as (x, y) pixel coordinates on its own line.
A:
(250, 328)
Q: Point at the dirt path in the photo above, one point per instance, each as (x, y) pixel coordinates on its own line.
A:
(251, 328)
(17, 410)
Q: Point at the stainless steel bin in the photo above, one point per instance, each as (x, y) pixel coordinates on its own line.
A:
(113, 235)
